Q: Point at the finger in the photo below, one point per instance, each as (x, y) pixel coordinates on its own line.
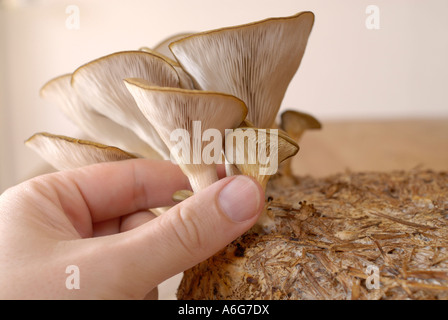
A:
(152, 295)
(135, 220)
(221, 170)
(105, 228)
(187, 234)
(111, 190)
(125, 223)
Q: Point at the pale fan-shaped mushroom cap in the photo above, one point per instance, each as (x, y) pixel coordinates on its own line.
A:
(69, 153)
(247, 124)
(189, 114)
(253, 149)
(295, 123)
(257, 153)
(100, 82)
(163, 46)
(95, 125)
(254, 62)
(185, 82)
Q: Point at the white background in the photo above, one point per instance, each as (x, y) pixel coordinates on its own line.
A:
(348, 71)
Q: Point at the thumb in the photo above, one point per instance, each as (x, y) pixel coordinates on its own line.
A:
(191, 231)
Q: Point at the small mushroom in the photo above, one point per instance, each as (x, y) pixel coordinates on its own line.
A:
(100, 83)
(254, 62)
(185, 115)
(68, 153)
(295, 123)
(257, 153)
(95, 125)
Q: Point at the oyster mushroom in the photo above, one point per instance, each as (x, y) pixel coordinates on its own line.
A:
(68, 153)
(65, 153)
(163, 46)
(100, 83)
(254, 62)
(163, 50)
(231, 169)
(185, 81)
(96, 126)
(295, 123)
(189, 114)
(257, 153)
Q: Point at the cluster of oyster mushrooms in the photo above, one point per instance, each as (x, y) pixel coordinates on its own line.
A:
(230, 78)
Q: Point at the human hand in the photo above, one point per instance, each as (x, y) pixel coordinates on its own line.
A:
(96, 218)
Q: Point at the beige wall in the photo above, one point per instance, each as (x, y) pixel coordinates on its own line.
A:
(5, 158)
(348, 71)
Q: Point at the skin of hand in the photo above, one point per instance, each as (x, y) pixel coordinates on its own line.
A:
(97, 219)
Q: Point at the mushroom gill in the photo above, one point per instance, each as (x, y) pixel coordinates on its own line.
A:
(189, 113)
(257, 153)
(96, 126)
(100, 83)
(254, 62)
(68, 153)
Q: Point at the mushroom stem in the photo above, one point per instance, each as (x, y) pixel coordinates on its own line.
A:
(159, 211)
(231, 169)
(286, 168)
(266, 222)
(204, 175)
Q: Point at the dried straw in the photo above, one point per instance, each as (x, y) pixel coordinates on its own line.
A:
(329, 231)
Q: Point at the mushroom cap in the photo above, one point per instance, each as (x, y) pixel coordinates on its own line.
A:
(163, 46)
(95, 125)
(185, 81)
(254, 62)
(68, 153)
(247, 123)
(170, 109)
(100, 83)
(295, 123)
(248, 149)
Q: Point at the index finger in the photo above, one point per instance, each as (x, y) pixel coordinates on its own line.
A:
(111, 190)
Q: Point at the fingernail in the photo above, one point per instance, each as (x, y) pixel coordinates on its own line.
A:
(240, 199)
